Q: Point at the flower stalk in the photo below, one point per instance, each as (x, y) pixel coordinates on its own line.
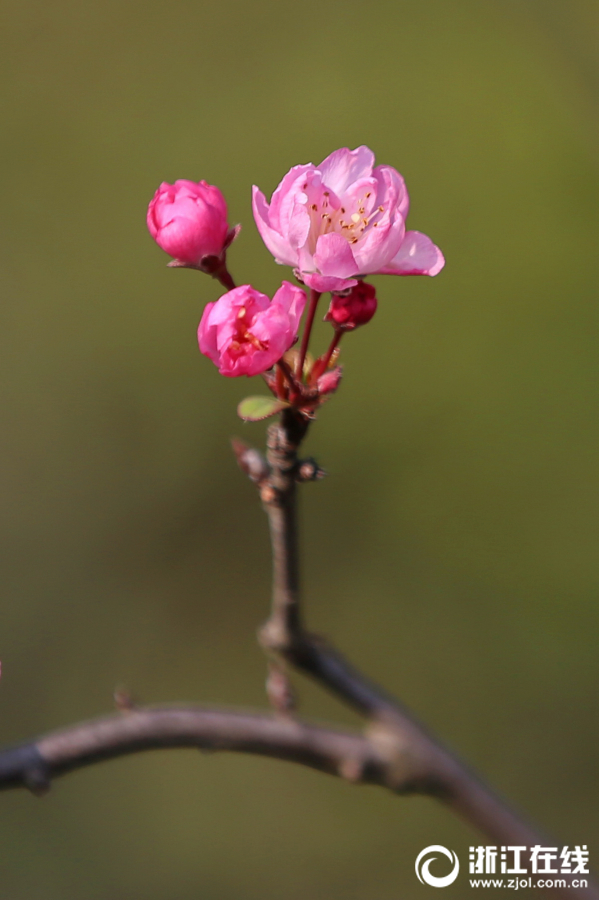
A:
(322, 364)
(312, 304)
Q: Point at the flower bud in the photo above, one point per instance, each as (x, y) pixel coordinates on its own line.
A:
(353, 309)
(188, 220)
(329, 381)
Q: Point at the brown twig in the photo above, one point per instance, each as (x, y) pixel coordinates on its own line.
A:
(418, 761)
(33, 765)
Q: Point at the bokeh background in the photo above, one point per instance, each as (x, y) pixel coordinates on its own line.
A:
(452, 552)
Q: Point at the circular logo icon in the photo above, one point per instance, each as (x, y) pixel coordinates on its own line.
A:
(422, 866)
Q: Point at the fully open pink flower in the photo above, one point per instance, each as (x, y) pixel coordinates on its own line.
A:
(244, 333)
(189, 221)
(342, 219)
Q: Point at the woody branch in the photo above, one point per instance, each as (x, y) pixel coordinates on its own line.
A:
(34, 764)
(418, 762)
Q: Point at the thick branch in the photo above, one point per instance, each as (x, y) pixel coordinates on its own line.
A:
(416, 759)
(33, 765)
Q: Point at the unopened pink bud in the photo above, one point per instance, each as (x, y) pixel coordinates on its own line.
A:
(354, 309)
(189, 221)
(245, 333)
(329, 382)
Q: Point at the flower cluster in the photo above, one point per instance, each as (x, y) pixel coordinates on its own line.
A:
(333, 224)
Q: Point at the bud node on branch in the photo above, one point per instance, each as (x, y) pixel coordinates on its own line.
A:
(279, 690)
(37, 781)
(250, 461)
(352, 770)
(309, 470)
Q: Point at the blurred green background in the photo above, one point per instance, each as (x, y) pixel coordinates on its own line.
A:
(452, 552)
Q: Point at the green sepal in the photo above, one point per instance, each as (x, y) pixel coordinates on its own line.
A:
(254, 409)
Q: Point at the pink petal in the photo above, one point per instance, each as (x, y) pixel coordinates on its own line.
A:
(316, 192)
(344, 166)
(305, 260)
(333, 256)
(392, 190)
(417, 256)
(293, 299)
(355, 197)
(276, 243)
(215, 198)
(299, 225)
(325, 283)
(272, 327)
(207, 334)
(282, 199)
(180, 238)
(379, 245)
(227, 306)
(225, 333)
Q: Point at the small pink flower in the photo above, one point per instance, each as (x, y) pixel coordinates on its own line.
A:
(342, 219)
(189, 221)
(354, 309)
(244, 333)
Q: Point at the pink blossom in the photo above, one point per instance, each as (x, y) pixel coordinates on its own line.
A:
(342, 219)
(353, 309)
(189, 221)
(244, 333)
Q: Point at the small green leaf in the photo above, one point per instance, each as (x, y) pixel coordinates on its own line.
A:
(254, 409)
